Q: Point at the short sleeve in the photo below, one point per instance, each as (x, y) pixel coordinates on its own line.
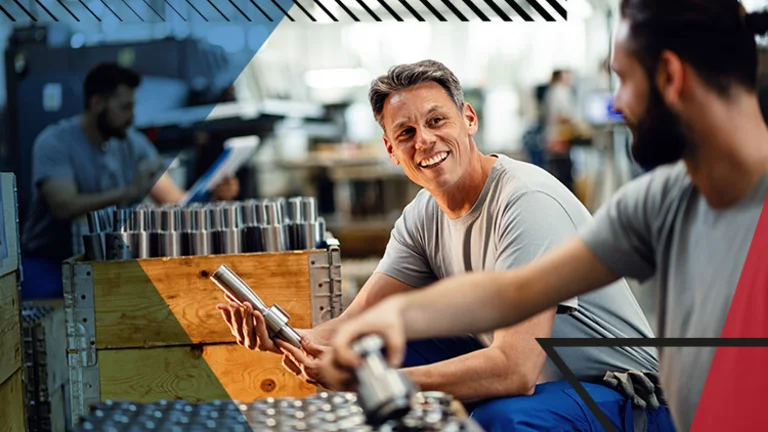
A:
(50, 159)
(530, 226)
(621, 234)
(405, 258)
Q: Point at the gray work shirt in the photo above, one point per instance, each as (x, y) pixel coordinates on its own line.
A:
(62, 151)
(522, 212)
(660, 228)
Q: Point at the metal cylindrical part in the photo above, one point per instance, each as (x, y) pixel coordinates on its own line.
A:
(230, 215)
(252, 239)
(143, 245)
(273, 237)
(294, 209)
(117, 247)
(122, 219)
(231, 239)
(231, 283)
(308, 209)
(384, 393)
(140, 220)
(94, 247)
(272, 214)
(170, 219)
(188, 219)
(168, 244)
(275, 317)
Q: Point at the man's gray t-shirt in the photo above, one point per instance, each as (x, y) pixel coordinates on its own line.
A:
(62, 151)
(522, 212)
(659, 226)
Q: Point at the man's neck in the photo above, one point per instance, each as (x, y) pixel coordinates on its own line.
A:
(460, 199)
(731, 152)
(88, 124)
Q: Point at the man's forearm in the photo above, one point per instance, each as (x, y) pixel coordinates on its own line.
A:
(477, 375)
(82, 204)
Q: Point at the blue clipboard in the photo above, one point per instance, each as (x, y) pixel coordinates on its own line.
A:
(237, 152)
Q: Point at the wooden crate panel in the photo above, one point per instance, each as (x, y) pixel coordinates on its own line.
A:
(195, 373)
(12, 417)
(171, 301)
(10, 326)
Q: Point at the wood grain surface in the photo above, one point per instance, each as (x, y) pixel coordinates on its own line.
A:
(172, 301)
(10, 326)
(12, 416)
(195, 374)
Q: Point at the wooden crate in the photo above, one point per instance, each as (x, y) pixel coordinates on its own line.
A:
(146, 330)
(12, 413)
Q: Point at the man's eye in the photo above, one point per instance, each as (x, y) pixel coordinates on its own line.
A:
(437, 120)
(405, 132)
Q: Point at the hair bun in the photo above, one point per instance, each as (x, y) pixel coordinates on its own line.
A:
(757, 22)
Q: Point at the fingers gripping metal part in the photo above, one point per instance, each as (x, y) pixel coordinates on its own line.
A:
(275, 317)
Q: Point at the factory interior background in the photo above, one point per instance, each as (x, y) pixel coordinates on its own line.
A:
(304, 95)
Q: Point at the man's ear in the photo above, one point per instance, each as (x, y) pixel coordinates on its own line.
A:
(470, 118)
(390, 151)
(97, 103)
(670, 77)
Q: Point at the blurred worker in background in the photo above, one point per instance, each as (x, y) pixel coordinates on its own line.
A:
(476, 212)
(561, 125)
(696, 224)
(88, 162)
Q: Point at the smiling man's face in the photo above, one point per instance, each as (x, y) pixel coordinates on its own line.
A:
(427, 135)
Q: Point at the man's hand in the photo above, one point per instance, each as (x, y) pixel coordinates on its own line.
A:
(226, 190)
(247, 326)
(307, 363)
(384, 319)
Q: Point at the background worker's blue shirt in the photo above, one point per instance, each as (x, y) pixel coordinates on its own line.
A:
(62, 151)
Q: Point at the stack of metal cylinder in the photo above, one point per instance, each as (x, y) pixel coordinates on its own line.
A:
(324, 412)
(35, 356)
(148, 231)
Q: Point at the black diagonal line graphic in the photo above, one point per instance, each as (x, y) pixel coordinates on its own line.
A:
(476, 10)
(218, 10)
(174, 9)
(556, 6)
(239, 10)
(110, 9)
(327, 12)
(10, 17)
(519, 10)
(283, 10)
(390, 10)
(434, 11)
(549, 345)
(262, 11)
(306, 12)
(134, 12)
(412, 10)
(454, 10)
(604, 421)
(346, 9)
(67, 9)
(46, 10)
(156, 13)
(543, 12)
(367, 9)
(196, 10)
(498, 10)
(25, 10)
(89, 10)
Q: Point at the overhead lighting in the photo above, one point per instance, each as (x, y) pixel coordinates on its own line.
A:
(337, 78)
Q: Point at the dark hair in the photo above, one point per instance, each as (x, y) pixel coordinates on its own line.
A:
(556, 75)
(105, 78)
(716, 37)
(408, 75)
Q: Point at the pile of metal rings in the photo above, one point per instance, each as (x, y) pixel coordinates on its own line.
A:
(149, 231)
(324, 412)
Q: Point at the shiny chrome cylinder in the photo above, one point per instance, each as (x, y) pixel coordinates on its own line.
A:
(143, 245)
(169, 244)
(94, 247)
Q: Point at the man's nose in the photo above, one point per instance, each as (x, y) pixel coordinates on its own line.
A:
(424, 139)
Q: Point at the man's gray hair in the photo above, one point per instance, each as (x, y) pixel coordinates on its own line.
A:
(403, 76)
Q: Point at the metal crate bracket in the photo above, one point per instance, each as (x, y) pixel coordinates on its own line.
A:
(325, 284)
(81, 338)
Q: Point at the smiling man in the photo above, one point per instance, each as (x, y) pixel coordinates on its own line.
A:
(476, 212)
(696, 225)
